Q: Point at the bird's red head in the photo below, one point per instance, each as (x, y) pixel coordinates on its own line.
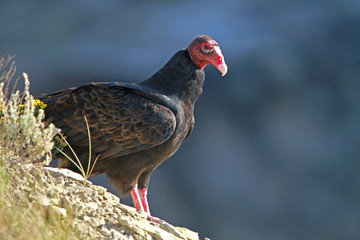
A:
(204, 50)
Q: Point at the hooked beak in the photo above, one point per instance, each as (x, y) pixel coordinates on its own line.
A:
(222, 68)
(218, 61)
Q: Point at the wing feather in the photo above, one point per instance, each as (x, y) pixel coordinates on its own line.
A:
(120, 120)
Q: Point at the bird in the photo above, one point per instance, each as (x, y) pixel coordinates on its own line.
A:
(134, 127)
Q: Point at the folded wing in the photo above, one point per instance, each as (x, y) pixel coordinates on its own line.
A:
(121, 121)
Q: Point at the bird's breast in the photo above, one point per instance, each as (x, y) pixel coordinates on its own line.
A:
(165, 150)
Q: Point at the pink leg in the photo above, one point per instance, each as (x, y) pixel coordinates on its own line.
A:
(137, 199)
(143, 198)
(145, 204)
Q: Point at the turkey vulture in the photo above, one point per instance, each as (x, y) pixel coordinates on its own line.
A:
(135, 126)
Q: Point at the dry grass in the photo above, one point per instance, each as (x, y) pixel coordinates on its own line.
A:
(22, 130)
(24, 138)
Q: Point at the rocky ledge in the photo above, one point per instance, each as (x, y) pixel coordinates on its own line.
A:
(96, 213)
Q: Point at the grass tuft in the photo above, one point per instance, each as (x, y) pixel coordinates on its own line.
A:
(86, 174)
(23, 134)
(24, 138)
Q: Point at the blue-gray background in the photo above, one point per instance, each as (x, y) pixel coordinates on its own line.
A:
(275, 151)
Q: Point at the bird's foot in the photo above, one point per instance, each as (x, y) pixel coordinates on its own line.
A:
(139, 196)
(154, 219)
(149, 217)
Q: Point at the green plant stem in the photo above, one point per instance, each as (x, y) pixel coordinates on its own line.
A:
(89, 135)
(72, 150)
(88, 172)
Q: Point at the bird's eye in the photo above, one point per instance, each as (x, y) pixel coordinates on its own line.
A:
(206, 48)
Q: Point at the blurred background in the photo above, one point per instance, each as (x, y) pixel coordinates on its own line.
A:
(276, 146)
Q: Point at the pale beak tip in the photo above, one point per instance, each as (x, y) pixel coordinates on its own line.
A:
(223, 68)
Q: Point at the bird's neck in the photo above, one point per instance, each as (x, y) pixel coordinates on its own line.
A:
(179, 78)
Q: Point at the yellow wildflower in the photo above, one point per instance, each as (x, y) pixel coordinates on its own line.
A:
(39, 103)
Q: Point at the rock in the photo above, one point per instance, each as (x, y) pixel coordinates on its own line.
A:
(63, 172)
(54, 210)
(95, 213)
(171, 229)
(189, 234)
(40, 199)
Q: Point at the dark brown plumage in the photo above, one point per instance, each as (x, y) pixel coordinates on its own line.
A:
(135, 127)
